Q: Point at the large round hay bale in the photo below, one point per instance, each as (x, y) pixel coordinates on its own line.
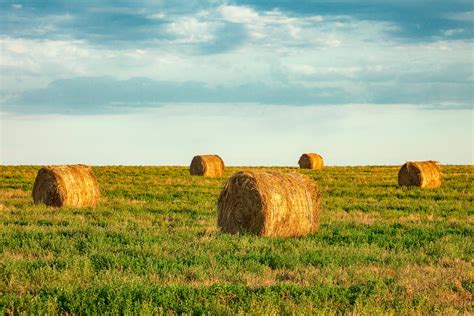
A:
(207, 165)
(66, 186)
(269, 204)
(311, 161)
(423, 174)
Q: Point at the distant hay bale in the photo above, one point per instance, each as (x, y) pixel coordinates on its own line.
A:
(311, 161)
(269, 204)
(66, 186)
(423, 174)
(207, 165)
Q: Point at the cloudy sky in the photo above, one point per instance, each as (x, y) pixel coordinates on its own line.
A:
(258, 82)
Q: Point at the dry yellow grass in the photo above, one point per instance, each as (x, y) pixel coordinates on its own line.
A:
(269, 204)
(207, 165)
(66, 186)
(311, 161)
(423, 174)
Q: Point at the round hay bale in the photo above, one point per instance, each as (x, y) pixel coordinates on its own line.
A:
(423, 174)
(66, 186)
(311, 161)
(269, 204)
(207, 165)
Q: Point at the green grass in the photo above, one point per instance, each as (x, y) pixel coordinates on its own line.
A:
(152, 246)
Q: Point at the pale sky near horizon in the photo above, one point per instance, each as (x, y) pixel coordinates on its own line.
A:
(155, 82)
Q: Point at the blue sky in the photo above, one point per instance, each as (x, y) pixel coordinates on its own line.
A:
(259, 82)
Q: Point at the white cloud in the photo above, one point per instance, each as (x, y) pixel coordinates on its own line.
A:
(344, 72)
(190, 30)
(452, 32)
(310, 50)
(239, 14)
(467, 16)
(157, 16)
(303, 69)
(360, 57)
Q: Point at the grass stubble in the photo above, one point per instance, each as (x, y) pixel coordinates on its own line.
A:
(152, 246)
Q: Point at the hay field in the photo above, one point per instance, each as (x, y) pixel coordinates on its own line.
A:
(152, 246)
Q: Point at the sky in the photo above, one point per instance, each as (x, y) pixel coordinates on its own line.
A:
(362, 82)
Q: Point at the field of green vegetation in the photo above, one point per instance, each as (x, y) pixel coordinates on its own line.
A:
(152, 246)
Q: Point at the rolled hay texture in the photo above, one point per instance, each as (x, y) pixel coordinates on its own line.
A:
(207, 165)
(311, 161)
(423, 174)
(66, 186)
(269, 204)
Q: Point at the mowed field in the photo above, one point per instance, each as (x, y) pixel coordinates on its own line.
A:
(152, 246)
